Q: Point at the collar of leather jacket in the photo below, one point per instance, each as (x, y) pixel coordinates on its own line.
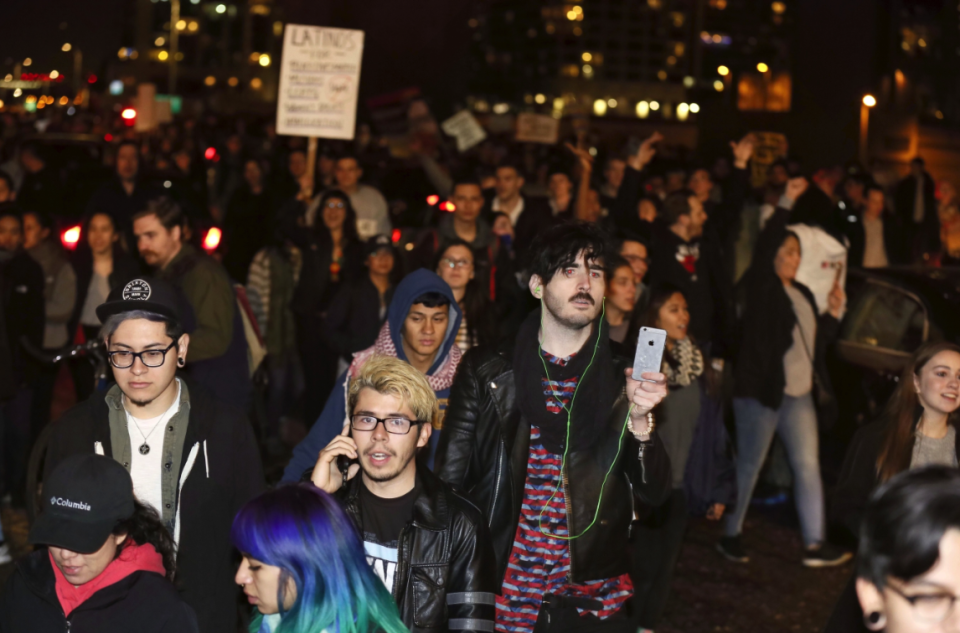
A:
(430, 509)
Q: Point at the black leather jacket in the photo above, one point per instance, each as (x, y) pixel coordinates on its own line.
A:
(483, 452)
(445, 573)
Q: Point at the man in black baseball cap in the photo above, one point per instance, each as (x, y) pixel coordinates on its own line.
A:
(191, 457)
(108, 560)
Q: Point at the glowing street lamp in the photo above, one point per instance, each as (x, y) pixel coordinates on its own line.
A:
(868, 102)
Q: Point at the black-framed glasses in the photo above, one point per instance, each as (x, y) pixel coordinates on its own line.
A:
(396, 426)
(455, 263)
(930, 607)
(124, 359)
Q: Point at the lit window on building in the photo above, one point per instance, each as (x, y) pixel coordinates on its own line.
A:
(770, 92)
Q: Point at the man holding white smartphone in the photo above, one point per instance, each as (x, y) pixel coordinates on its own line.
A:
(545, 437)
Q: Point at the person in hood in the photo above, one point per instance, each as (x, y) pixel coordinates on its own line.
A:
(192, 457)
(421, 329)
(107, 561)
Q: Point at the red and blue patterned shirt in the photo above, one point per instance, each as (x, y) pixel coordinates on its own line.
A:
(539, 563)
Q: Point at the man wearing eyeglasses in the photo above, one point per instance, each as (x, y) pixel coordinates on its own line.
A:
(429, 545)
(192, 457)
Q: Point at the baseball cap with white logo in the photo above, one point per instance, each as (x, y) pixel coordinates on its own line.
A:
(83, 500)
(143, 293)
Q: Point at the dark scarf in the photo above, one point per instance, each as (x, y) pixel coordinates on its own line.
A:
(597, 389)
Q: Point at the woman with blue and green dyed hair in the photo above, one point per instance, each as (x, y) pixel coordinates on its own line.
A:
(304, 569)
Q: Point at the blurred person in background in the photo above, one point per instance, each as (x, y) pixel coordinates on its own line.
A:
(303, 567)
(60, 295)
(22, 285)
(528, 215)
(456, 267)
(634, 250)
(613, 171)
(125, 194)
(465, 226)
(908, 562)
(917, 428)
(360, 308)
(621, 298)
(249, 220)
(916, 205)
(780, 357)
(100, 265)
(372, 215)
(271, 283)
(332, 259)
(683, 255)
(876, 239)
(41, 188)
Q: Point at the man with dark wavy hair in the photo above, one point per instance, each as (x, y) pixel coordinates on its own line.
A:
(544, 437)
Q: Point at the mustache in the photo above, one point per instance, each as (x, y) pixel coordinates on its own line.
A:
(583, 296)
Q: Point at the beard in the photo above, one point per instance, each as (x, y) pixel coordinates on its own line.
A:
(577, 320)
(394, 473)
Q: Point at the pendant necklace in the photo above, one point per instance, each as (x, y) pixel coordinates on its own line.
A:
(145, 448)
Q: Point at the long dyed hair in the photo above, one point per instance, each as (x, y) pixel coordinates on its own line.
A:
(303, 531)
(904, 412)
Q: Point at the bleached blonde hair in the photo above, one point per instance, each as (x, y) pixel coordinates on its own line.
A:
(391, 376)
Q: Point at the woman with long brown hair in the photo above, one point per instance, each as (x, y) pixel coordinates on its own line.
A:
(918, 428)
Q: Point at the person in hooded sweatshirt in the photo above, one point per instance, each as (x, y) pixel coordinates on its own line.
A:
(107, 563)
(421, 329)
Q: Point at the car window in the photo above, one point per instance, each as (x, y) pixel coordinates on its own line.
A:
(885, 317)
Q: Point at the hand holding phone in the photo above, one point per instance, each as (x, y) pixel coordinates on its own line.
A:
(649, 355)
(337, 463)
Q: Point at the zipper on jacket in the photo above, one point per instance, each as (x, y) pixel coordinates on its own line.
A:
(400, 571)
(643, 468)
(564, 482)
(496, 487)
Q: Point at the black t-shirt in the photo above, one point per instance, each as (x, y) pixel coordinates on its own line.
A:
(383, 519)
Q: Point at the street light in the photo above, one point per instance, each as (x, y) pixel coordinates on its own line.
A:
(66, 47)
(868, 102)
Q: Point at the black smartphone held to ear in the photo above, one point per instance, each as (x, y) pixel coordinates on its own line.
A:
(343, 465)
(649, 356)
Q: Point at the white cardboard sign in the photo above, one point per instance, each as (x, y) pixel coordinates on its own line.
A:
(464, 127)
(319, 80)
(537, 128)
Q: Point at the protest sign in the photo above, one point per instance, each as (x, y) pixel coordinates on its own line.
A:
(537, 128)
(465, 128)
(319, 80)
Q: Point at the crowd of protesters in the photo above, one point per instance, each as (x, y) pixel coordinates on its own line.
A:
(474, 451)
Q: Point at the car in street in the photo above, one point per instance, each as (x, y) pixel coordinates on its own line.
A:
(890, 313)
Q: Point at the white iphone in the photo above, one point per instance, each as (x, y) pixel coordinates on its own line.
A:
(649, 351)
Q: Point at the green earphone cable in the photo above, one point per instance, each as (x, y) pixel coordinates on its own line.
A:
(566, 448)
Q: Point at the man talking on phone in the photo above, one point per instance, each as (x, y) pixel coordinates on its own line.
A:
(548, 437)
(429, 545)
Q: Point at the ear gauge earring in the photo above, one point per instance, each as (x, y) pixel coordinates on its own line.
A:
(181, 362)
(875, 620)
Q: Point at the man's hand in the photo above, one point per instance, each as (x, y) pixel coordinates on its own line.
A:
(796, 187)
(644, 396)
(326, 474)
(583, 155)
(646, 152)
(715, 513)
(742, 151)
